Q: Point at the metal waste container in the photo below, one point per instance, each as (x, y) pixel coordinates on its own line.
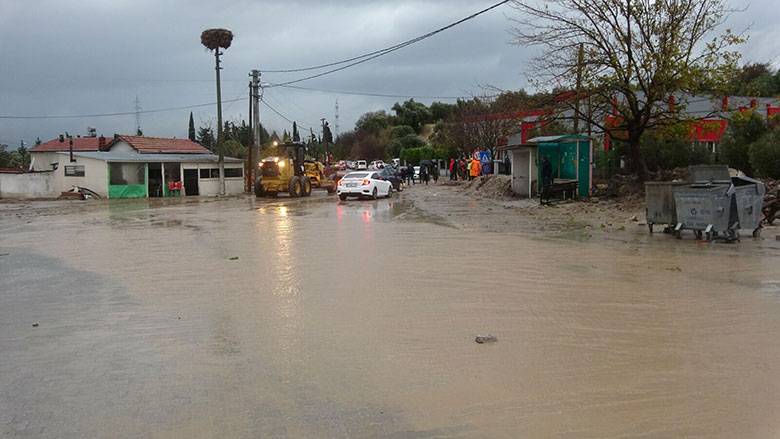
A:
(749, 200)
(705, 173)
(706, 208)
(659, 203)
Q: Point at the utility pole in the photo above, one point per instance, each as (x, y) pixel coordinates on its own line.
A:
(217, 53)
(324, 140)
(337, 118)
(254, 99)
(137, 116)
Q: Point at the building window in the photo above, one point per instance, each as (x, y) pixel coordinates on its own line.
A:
(234, 172)
(209, 173)
(126, 173)
(74, 171)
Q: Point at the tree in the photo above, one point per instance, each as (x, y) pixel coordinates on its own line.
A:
(413, 114)
(745, 128)
(295, 136)
(235, 149)
(191, 132)
(636, 54)
(373, 122)
(5, 157)
(398, 144)
(765, 155)
(206, 138)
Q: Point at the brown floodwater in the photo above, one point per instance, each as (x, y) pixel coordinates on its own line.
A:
(358, 320)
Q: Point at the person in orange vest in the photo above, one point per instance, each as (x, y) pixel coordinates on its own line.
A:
(476, 168)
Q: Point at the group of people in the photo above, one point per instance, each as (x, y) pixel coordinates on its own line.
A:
(428, 172)
(465, 168)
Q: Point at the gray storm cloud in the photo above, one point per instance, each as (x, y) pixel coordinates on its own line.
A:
(87, 57)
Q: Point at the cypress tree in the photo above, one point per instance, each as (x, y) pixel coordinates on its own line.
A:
(192, 128)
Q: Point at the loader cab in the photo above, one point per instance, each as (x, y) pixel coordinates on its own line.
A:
(295, 153)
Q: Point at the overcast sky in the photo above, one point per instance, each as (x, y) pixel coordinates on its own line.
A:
(65, 57)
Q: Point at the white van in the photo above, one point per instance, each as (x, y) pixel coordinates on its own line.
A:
(361, 165)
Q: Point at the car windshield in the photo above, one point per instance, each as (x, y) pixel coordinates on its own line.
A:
(356, 175)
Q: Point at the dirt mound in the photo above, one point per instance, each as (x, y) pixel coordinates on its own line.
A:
(490, 186)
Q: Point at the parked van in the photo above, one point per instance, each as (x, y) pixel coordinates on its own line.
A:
(361, 165)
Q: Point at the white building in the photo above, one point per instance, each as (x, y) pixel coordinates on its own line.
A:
(131, 167)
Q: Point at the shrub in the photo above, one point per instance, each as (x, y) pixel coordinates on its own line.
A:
(744, 129)
(765, 155)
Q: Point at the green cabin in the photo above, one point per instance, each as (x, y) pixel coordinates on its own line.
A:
(571, 156)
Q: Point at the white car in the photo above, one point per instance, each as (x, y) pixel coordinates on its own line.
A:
(364, 184)
(361, 165)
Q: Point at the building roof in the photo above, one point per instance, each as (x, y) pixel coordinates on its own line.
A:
(560, 138)
(79, 144)
(156, 145)
(109, 156)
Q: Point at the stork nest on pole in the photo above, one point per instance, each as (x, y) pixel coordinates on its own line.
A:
(215, 39)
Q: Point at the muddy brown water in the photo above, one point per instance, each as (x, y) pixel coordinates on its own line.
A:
(358, 320)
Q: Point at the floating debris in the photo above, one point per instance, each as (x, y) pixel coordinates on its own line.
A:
(486, 339)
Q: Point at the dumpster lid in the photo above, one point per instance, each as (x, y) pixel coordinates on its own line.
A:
(742, 180)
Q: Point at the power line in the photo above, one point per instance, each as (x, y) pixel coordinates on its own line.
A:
(370, 94)
(122, 113)
(278, 113)
(376, 54)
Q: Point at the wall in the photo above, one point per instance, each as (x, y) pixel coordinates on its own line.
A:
(32, 185)
(95, 175)
(41, 161)
(209, 187)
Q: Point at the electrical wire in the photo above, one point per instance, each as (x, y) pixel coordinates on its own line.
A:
(391, 48)
(122, 113)
(278, 113)
(372, 94)
(376, 54)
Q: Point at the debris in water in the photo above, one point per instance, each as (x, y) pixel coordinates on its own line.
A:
(234, 258)
(35, 325)
(486, 339)
(4, 254)
(678, 269)
(634, 218)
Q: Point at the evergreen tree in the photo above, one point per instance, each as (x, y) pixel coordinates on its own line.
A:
(191, 133)
(206, 137)
(295, 136)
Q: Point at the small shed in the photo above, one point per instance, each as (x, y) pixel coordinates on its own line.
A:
(571, 156)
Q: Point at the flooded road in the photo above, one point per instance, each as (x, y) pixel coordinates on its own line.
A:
(358, 320)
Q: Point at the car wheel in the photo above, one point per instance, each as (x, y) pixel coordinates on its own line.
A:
(374, 193)
(390, 191)
(343, 197)
(306, 186)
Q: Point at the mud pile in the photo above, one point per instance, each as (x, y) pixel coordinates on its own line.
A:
(490, 186)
